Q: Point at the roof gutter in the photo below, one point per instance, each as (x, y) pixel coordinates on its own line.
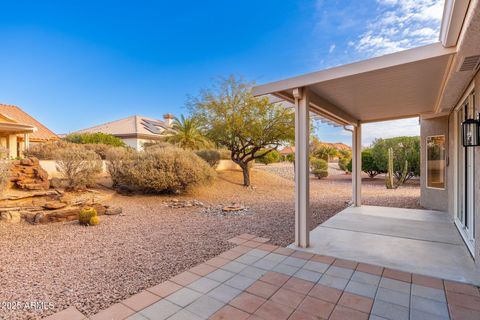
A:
(454, 13)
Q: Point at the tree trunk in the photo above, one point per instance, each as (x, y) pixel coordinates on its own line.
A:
(246, 174)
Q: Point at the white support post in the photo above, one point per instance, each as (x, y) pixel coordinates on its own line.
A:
(302, 171)
(357, 165)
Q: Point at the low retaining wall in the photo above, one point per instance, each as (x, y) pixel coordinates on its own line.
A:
(51, 167)
(227, 165)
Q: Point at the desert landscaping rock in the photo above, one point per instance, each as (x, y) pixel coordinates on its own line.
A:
(54, 205)
(111, 211)
(94, 268)
(27, 174)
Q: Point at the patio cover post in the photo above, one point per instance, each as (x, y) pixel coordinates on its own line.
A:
(357, 165)
(302, 172)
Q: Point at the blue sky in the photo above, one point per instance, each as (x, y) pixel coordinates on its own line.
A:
(73, 64)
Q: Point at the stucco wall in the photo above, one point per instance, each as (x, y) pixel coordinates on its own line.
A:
(51, 167)
(435, 199)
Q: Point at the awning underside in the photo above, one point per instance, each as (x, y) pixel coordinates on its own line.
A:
(400, 85)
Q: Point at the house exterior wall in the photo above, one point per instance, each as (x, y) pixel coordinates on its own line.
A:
(436, 199)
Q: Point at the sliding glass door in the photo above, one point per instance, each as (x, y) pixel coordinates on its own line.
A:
(465, 178)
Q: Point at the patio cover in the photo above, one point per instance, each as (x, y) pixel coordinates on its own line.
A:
(398, 85)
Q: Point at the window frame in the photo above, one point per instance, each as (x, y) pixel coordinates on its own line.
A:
(444, 160)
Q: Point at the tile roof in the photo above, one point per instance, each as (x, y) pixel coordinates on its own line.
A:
(20, 116)
(132, 125)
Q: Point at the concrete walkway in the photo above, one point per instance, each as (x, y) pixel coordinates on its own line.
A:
(418, 241)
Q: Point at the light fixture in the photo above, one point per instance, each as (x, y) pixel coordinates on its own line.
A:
(471, 132)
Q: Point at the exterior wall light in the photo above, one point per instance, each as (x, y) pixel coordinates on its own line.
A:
(471, 132)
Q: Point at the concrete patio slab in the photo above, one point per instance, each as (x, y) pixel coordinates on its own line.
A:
(416, 241)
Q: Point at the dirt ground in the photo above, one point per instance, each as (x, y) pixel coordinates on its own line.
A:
(94, 267)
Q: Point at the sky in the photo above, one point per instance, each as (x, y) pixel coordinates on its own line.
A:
(74, 64)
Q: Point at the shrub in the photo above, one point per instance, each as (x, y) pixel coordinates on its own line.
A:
(211, 156)
(118, 161)
(47, 151)
(156, 144)
(271, 157)
(290, 157)
(404, 149)
(369, 166)
(5, 166)
(343, 163)
(86, 215)
(319, 168)
(162, 170)
(78, 166)
(95, 138)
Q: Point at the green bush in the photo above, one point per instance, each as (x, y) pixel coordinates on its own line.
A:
(163, 170)
(271, 157)
(211, 156)
(404, 149)
(343, 163)
(290, 157)
(319, 168)
(78, 166)
(85, 216)
(95, 138)
(369, 166)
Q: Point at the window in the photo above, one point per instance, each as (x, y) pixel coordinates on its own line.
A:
(436, 162)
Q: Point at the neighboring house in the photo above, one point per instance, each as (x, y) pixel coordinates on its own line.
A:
(439, 83)
(135, 130)
(18, 130)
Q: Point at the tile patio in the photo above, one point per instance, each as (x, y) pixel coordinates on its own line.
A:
(256, 280)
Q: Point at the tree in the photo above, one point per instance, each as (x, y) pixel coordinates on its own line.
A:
(368, 164)
(404, 149)
(270, 157)
(248, 126)
(186, 132)
(325, 152)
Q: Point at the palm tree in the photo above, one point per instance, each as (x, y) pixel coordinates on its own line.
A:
(187, 134)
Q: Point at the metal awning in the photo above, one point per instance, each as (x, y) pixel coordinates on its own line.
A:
(399, 85)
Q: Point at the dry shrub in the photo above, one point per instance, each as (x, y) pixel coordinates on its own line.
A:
(160, 170)
(211, 156)
(5, 166)
(118, 162)
(78, 166)
(47, 151)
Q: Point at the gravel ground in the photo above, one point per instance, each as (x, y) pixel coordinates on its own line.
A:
(94, 267)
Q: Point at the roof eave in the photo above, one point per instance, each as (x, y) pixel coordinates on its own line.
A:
(377, 63)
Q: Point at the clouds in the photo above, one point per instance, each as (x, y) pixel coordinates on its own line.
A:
(399, 25)
(389, 129)
(370, 131)
(332, 48)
